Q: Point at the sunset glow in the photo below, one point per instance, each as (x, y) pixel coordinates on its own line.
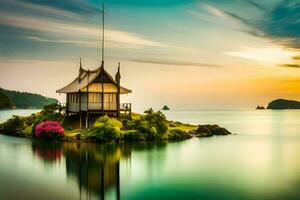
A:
(200, 48)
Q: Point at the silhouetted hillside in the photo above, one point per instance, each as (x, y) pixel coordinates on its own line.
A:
(284, 104)
(10, 99)
(5, 101)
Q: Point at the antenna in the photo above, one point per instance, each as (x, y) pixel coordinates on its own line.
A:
(103, 34)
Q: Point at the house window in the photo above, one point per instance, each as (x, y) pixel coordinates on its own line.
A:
(110, 98)
(73, 98)
(95, 97)
(113, 98)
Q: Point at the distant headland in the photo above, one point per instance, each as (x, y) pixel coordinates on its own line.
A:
(10, 99)
(283, 104)
(280, 104)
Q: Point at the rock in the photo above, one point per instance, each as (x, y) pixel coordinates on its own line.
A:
(166, 107)
(203, 131)
(260, 108)
(209, 130)
(284, 104)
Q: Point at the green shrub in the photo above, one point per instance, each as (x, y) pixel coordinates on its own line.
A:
(105, 120)
(13, 126)
(104, 129)
(177, 134)
(54, 107)
(157, 120)
(134, 135)
(130, 124)
(32, 119)
(50, 113)
(149, 130)
(27, 132)
(153, 125)
(103, 133)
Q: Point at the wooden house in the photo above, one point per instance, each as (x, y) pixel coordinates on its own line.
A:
(95, 93)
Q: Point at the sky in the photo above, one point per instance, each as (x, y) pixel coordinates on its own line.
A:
(187, 54)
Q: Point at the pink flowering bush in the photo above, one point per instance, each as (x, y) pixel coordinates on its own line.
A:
(49, 130)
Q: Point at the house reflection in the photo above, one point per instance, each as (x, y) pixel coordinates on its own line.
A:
(96, 168)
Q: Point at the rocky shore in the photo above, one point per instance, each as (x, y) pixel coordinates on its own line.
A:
(209, 130)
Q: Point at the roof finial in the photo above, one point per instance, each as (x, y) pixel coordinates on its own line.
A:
(80, 70)
(118, 74)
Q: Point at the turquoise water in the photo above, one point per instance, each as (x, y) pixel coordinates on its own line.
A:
(261, 162)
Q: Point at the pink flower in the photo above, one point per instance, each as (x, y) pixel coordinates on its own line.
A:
(47, 127)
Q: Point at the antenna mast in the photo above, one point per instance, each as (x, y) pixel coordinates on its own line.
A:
(103, 34)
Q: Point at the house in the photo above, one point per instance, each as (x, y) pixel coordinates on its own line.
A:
(95, 93)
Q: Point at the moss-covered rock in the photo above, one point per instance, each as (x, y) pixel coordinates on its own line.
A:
(209, 130)
(178, 134)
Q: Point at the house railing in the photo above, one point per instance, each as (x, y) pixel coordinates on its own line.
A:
(126, 107)
(108, 106)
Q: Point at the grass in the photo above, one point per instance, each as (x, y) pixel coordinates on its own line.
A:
(71, 134)
(181, 126)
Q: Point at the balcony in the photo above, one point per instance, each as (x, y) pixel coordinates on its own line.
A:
(97, 106)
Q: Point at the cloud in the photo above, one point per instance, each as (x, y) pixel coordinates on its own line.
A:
(152, 3)
(65, 29)
(214, 10)
(15, 6)
(89, 43)
(279, 24)
(83, 43)
(172, 62)
(271, 55)
(290, 65)
(256, 5)
(62, 22)
(81, 7)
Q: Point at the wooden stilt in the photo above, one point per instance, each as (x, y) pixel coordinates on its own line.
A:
(87, 120)
(80, 120)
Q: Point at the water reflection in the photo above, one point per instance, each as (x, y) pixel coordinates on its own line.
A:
(48, 152)
(95, 167)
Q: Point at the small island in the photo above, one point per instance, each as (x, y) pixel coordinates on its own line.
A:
(260, 107)
(52, 124)
(280, 104)
(166, 107)
(93, 112)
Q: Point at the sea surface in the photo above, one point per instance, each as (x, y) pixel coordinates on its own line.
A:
(262, 161)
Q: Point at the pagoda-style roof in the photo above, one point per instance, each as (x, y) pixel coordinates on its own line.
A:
(87, 77)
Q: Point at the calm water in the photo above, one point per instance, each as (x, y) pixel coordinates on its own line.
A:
(261, 162)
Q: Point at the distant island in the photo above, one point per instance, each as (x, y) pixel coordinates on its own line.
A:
(166, 107)
(260, 107)
(279, 104)
(10, 99)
